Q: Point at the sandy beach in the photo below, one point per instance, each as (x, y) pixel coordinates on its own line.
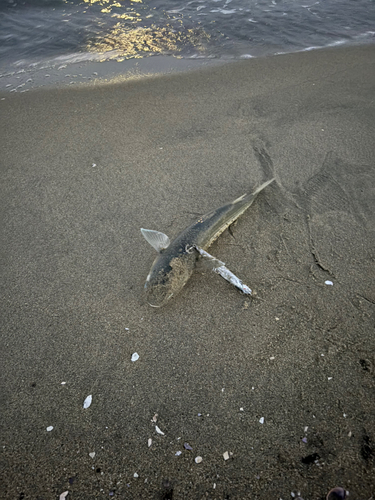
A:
(283, 381)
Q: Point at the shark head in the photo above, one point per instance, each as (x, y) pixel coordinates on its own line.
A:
(169, 272)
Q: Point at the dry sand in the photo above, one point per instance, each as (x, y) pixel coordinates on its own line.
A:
(81, 171)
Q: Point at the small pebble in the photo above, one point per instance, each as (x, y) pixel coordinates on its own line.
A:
(49, 428)
(328, 282)
(135, 357)
(226, 455)
(149, 442)
(261, 420)
(198, 460)
(135, 475)
(92, 454)
(158, 430)
(178, 453)
(63, 495)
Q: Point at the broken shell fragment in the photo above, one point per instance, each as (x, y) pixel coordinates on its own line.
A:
(135, 357)
(158, 430)
(337, 493)
(87, 402)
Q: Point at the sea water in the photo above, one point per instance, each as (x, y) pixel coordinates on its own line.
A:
(39, 35)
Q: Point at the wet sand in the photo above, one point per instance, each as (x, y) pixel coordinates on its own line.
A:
(82, 169)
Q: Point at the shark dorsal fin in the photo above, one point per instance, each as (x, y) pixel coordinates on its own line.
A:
(158, 240)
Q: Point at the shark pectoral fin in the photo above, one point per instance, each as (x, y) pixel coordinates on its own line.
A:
(203, 264)
(157, 240)
(208, 262)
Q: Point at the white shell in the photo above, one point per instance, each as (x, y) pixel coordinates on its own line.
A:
(158, 430)
(198, 460)
(87, 402)
(135, 357)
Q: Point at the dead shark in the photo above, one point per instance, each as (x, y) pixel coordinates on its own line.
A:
(177, 260)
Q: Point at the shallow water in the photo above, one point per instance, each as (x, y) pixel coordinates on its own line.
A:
(37, 32)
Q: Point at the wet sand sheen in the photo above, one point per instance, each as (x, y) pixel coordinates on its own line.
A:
(81, 171)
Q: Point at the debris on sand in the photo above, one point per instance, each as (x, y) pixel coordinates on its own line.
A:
(337, 493)
(87, 402)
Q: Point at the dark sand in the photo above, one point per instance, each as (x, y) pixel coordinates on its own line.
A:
(73, 264)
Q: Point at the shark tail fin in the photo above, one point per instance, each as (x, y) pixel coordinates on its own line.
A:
(262, 186)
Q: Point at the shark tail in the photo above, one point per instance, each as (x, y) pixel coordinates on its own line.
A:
(262, 186)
